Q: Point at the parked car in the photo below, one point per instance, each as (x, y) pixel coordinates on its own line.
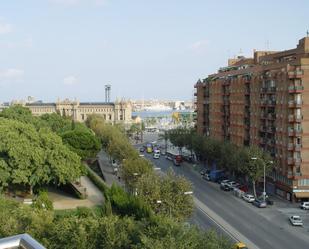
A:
(206, 177)
(223, 182)
(231, 184)
(244, 188)
(224, 187)
(305, 205)
(221, 179)
(296, 220)
(248, 198)
(204, 171)
(142, 149)
(259, 203)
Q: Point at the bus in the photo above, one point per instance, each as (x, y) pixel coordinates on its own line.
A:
(175, 157)
(149, 148)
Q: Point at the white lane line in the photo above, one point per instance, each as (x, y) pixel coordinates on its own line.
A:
(231, 231)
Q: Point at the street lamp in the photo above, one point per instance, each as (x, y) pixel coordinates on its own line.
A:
(264, 185)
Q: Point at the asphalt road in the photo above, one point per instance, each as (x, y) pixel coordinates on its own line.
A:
(266, 228)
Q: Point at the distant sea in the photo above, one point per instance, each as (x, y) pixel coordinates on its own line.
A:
(155, 114)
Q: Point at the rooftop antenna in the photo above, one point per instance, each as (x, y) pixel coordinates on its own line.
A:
(267, 45)
(307, 33)
(107, 93)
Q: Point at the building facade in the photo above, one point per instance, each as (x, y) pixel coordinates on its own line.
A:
(117, 112)
(263, 101)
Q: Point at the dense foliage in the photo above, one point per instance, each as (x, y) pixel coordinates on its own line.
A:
(85, 229)
(34, 157)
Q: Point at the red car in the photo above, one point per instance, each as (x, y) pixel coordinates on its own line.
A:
(244, 188)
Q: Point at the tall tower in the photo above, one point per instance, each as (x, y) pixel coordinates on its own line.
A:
(107, 93)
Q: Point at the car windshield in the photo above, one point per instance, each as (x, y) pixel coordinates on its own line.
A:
(297, 219)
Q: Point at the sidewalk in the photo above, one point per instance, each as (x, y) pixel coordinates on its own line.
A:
(107, 169)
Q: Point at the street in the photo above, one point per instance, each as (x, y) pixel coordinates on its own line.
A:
(262, 228)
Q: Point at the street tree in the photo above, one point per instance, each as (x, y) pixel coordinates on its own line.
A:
(164, 137)
(255, 163)
(168, 195)
(132, 169)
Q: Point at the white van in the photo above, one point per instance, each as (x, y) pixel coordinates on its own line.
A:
(305, 205)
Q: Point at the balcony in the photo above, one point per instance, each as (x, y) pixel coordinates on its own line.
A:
(271, 129)
(297, 160)
(290, 161)
(295, 103)
(295, 74)
(297, 147)
(272, 102)
(290, 146)
(263, 129)
(295, 118)
(271, 116)
(271, 89)
(296, 89)
(263, 89)
(298, 132)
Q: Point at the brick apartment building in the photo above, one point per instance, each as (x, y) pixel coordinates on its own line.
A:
(263, 101)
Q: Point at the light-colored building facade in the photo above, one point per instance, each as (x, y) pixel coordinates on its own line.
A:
(116, 112)
(263, 101)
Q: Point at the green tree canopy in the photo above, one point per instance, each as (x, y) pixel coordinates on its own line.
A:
(82, 141)
(35, 157)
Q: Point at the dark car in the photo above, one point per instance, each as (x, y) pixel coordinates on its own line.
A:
(204, 171)
(259, 204)
(225, 187)
(142, 149)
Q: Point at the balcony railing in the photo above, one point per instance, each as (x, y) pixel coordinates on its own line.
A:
(295, 103)
(295, 74)
(293, 89)
(290, 161)
(295, 118)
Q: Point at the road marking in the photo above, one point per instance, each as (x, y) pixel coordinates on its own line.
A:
(226, 227)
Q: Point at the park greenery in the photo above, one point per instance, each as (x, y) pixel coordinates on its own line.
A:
(246, 160)
(36, 151)
(91, 228)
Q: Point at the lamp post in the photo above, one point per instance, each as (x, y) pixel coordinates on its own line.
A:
(264, 175)
(170, 208)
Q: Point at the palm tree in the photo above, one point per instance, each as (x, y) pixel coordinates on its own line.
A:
(164, 136)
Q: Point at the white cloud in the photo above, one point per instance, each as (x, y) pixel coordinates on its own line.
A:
(11, 74)
(70, 80)
(5, 28)
(199, 45)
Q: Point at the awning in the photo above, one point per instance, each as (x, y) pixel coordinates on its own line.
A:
(302, 194)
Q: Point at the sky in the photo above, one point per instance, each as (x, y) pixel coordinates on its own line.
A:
(54, 49)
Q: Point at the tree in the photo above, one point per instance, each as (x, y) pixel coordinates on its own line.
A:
(82, 141)
(35, 157)
(167, 195)
(255, 163)
(134, 168)
(164, 137)
(56, 122)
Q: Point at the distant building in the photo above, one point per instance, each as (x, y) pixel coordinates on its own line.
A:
(116, 112)
(263, 101)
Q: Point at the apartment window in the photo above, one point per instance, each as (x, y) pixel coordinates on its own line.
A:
(110, 116)
(303, 182)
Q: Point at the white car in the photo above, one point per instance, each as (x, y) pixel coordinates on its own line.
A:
(296, 220)
(305, 205)
(248, 198)
(156, 155)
